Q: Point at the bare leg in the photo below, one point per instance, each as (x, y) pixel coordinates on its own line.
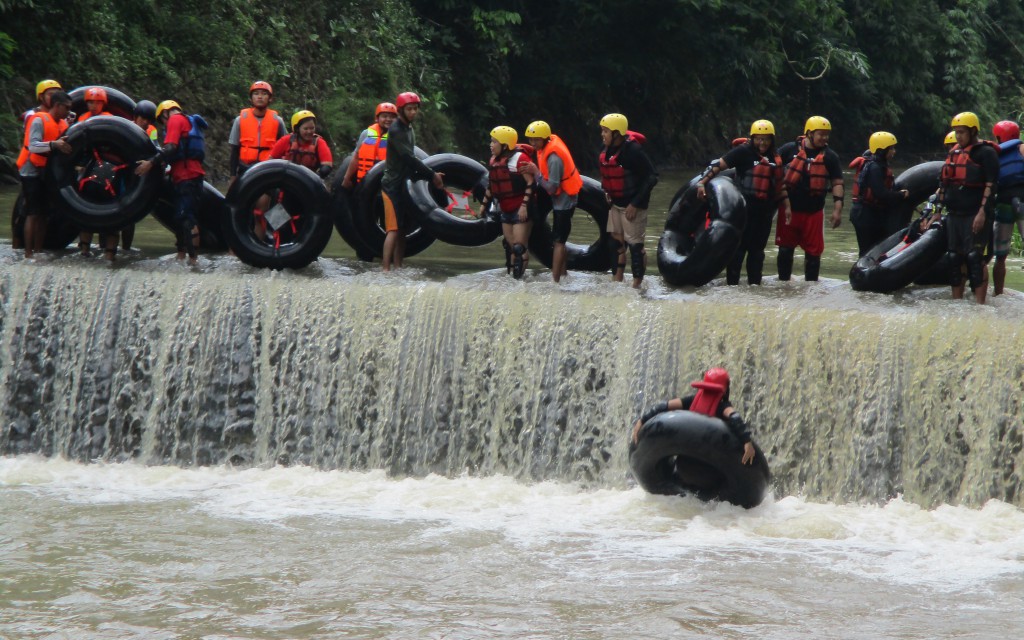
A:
(390, 240)
(558, 261)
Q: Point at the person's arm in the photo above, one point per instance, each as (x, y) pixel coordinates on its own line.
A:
(350, 173)
(280, 148)
(646, 179)
(323, 153)
(874, 180)
(554, 179)
(235, 146)
(838, 195)
(675, 404)
(990, 165)
(401, 144)
(739, 428)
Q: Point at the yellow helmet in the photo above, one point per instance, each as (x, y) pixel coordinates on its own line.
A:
(44, 86)
(881, 140)
(965, 119)
(762, 128)
(300, 116)
(165, 105)
(817, 123)
(950, 138)
(505, 135)
(615, 122)
(538, 129)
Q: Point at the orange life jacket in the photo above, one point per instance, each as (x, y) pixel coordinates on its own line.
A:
(152, 133)
(373, 150)
(256, 136)
(708, 396)
(813, 171)
(571, 180)
(764, 178)
(961, 171)
(52, 130)
(304, 155)
(88, 114)
(857, 164)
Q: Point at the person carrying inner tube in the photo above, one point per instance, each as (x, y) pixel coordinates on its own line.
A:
(44, 134)
(759, 176)
(812, 171)
(627, 177)
(45, 90)
(1010, 199)
(96, 102)
(967, 187)
(875, 194)
(401, 165)
(372, 145)
(512, 189)
(556, 173)
(711, 399)
(304, 146)
(183, 148)
(253, 133)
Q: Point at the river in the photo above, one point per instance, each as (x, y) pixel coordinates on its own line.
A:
(224, 453)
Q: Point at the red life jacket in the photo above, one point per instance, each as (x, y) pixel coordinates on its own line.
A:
(614, 176)
(961, 171)
(803, 168)
(867, 196)
(763, 180)
(506, 184)
(857, 164)
(303, 154)
(708, 396)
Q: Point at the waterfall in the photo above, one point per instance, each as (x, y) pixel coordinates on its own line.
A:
(425, 377)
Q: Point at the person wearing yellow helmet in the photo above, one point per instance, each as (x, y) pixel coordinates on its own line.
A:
(950, 141)
(812, 171)
(304, 146)
(44, 134)
(45, 90)
(627, 177)
(875, 194)
(555, 172)
(372, 145)
(967, 187)
(184, 149)
(759, 176)
(401, 165)
(512, 191)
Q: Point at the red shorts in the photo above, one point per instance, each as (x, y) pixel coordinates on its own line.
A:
(807, 231)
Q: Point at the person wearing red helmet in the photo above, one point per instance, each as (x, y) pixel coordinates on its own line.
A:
(95, 102)
(401, 165)
(1009, 199)
(710, 399)
(253, 134)
(372, 145)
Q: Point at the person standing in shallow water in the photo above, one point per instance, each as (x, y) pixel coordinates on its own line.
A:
(711, 399)
(401, 165)
(875, 193)
(513, 191)
(759, 174)
(1010, 199)
(812, 171)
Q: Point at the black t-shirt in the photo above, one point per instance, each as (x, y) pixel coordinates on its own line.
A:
(872, 177)
(800, 198)
(643, 177)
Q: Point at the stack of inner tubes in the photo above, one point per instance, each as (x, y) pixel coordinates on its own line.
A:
(293, 231)
(701, 236)
(451, 214)
(343, 205)
(596, 256)
(118, 104)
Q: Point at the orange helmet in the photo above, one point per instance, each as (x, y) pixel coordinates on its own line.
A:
(261, 84)
(717, 375)
(385, 107)
(96, 93)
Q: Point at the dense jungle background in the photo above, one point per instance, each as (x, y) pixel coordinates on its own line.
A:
(690, 74)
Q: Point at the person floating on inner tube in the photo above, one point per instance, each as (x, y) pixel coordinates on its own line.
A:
(304, 146)
(556, 173)
(627, 177)
(372, 145)
(812, 171)
(875, 194)
(1010, 200)
(253, 133)
(711, 399)
(44, 133)
(967, 187)
(513, 190)
(759, 176)
(183, 148)
(401, 165)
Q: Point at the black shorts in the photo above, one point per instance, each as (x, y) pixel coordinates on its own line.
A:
(35, 198)
(562, 225)
(961, 240)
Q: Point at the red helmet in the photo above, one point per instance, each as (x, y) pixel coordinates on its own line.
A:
(96, 93)
(1006, 130)
(261, 84)
(718, 376)
(385, 107)
(407, 98)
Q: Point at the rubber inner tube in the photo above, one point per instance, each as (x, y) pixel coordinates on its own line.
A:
(213, 210)
(118, 104)
(96, 187)
(343, 203)
(920, 181)
(59, 230)
(368, 216)
(893, 263)
(297, 225)
(692, 253)
(579, 257)
(451, 214)
(686, 453)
